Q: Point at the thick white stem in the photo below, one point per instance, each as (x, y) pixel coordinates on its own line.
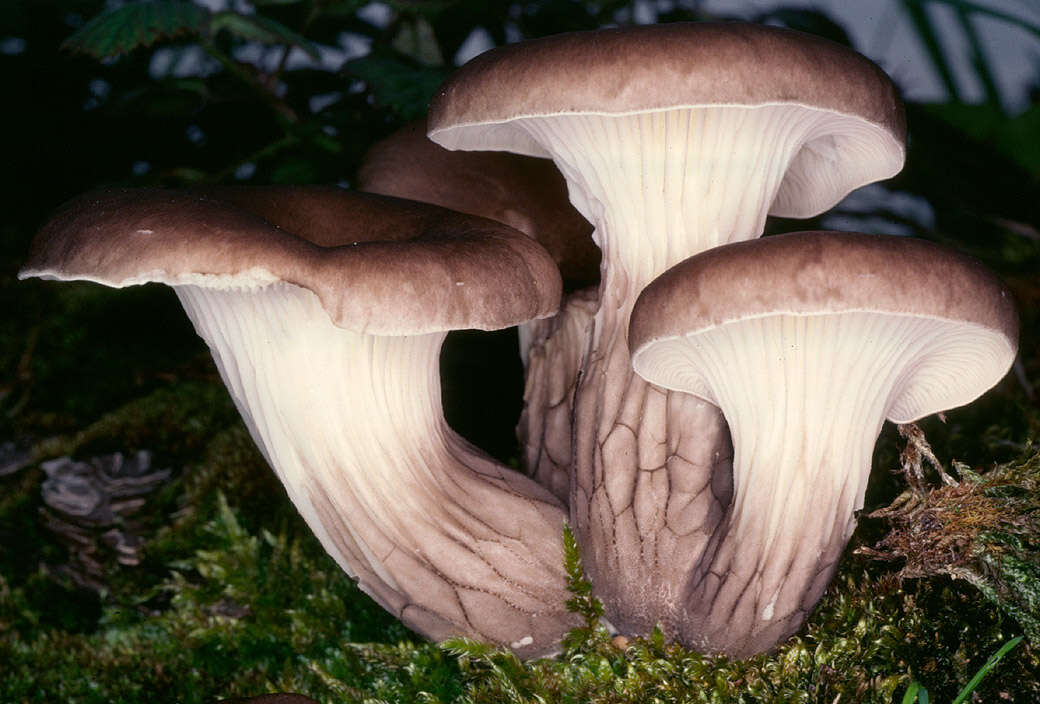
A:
(436, 532)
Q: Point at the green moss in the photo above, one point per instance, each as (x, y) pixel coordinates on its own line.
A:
(984, 529)
(173, 421)
(866, 642)
(247, 610)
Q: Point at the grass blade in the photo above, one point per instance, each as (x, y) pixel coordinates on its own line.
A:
(990, 664)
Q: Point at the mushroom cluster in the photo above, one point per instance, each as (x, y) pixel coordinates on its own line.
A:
(703, 416)
(673, 139)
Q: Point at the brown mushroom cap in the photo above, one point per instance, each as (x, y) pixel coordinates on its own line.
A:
(378, 264)
(524, 192)
(633, 70)
(820, 273)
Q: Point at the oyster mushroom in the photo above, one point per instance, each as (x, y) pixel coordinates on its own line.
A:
(673, 139)
(325, 317)
(808, 342)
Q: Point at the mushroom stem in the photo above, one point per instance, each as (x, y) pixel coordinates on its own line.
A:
(651, 467)
(552, 350)
(437, 533)
(804, 410)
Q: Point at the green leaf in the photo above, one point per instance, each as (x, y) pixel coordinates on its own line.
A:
(395, 84)
(1013, 137)
(136, 25)
(296, 170)
(911, 693)
(260, 29)
(984, 670)
(417, 40)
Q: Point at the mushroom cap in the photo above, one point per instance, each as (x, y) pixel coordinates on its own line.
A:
(524, 192)
(821, 273)
(379, 265)
(632, 70)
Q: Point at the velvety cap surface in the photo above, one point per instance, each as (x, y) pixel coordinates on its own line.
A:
(821, 273)
(656, 67)
(380, 265)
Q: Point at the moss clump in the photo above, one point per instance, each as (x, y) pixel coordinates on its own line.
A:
(867, 641)
(177, 420)
(984, 529)
(241, 614)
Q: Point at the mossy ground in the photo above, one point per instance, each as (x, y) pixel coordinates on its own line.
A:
(235, 597)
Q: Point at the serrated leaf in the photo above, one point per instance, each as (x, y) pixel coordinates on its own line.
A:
(403, 88)
(260, 29)
(138, 24)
